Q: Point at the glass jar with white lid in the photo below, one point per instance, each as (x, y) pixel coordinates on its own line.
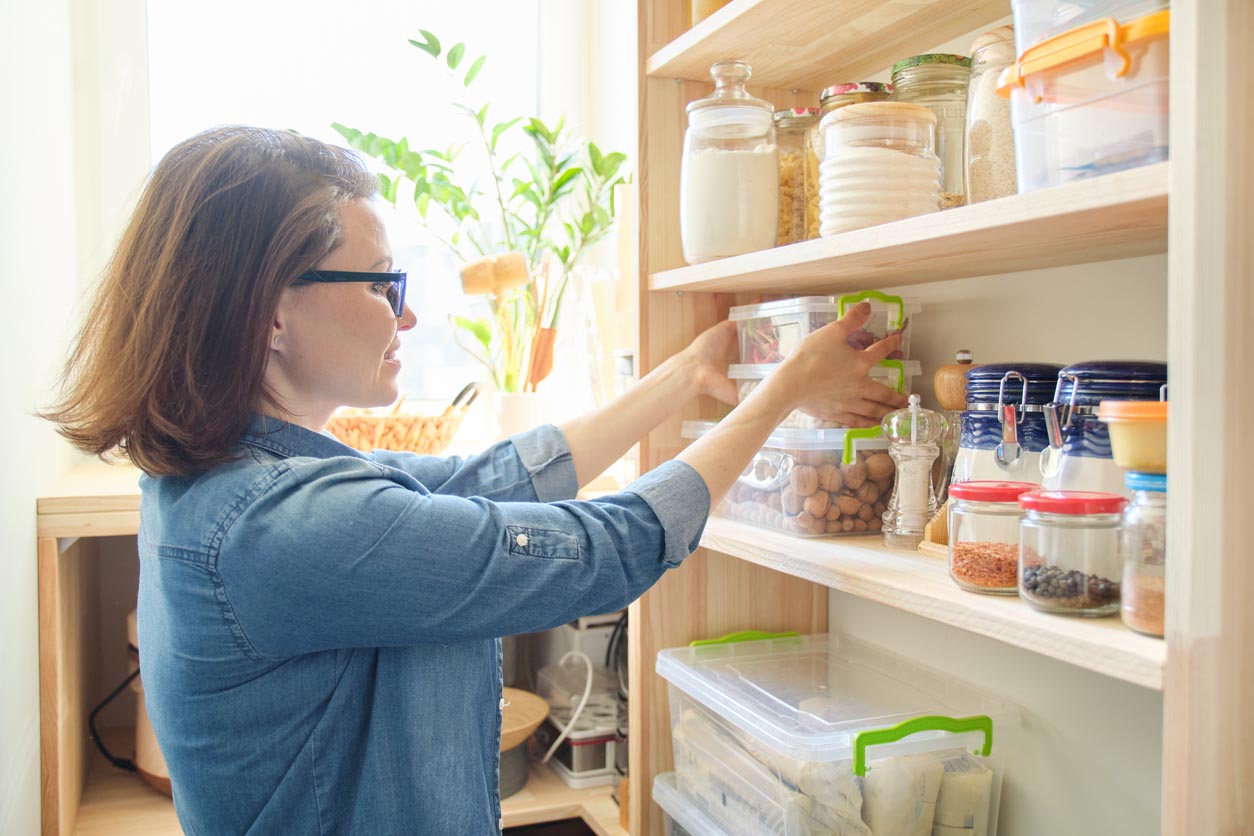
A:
(729, 174)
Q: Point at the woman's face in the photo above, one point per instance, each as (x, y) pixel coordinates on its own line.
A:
(334, 344)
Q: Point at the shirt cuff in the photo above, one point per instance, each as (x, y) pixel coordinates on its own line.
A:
(546, 457)
(680, 500)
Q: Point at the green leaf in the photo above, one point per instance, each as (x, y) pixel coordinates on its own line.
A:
(610, 165)
(482, 116)
(500, 129)
(422, 203)
(454, 56)
(595, 156)
(430, 45)
(564, 178)
(473, 72)
(480, 329)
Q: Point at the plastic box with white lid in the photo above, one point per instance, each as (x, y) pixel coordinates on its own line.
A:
(825, 734)
(1036, 20)
(770, 331)
(812, 482)
(897, 375)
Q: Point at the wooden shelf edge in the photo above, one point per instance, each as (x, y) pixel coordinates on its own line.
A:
(921, 585)
(1120, 215)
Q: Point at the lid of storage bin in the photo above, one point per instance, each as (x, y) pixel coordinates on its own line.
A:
(809, 697)
(1136, 481)
(791, 438)
(760, 371)
(1122, 380)
(1086, 42)
(1151, 411)
(984, 382)
(682, 811)
(991, 491)
(802, 304)
(1076, 503)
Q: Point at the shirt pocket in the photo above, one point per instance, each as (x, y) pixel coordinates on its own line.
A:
(541, 542)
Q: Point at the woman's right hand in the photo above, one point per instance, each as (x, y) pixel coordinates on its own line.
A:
(830, 380)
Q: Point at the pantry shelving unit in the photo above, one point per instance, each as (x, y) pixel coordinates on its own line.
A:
(1198, 208)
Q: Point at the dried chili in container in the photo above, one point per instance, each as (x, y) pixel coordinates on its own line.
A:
(984, 535)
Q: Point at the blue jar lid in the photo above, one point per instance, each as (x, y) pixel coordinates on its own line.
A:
(1121, 380)
(1156, 482)
(984, 382)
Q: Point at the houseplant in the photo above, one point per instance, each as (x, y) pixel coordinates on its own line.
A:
(518, 237)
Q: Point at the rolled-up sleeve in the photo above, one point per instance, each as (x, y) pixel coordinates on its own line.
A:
(343, 552)
(535, 466)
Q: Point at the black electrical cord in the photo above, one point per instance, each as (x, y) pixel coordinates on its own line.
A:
(120, 763)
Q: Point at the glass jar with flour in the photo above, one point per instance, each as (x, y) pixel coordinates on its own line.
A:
(729, 175)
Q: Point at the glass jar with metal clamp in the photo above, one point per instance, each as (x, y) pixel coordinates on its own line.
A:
(1079, 456)
(1003, 427)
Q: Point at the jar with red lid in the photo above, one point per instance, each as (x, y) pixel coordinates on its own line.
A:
(984, 535)
(1069, 557)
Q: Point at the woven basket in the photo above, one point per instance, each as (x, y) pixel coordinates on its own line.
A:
(402, 429)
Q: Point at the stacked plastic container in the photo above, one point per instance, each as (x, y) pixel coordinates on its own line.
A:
(823, 734)
(1089, 91)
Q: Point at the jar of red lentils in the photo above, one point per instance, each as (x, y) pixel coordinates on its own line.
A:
(984, 535)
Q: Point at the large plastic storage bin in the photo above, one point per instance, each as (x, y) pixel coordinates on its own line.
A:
(770, 331)
(1091, 101)
(812, 482)
(683, 817)
(898, 375)
(1036, 20)
(824, 734)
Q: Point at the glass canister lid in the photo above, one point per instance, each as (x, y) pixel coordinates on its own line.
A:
(931, 58)
(873, 88)
(1089, 383)
(985, 383)
(796, 117)
(730, 78)
(914, 424)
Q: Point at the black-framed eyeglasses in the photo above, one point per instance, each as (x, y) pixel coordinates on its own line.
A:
(395, 280)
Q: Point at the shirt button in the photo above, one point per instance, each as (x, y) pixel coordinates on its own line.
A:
(502, 703)
(522, 541)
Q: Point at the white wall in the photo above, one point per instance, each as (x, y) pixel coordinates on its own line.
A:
(37, 280)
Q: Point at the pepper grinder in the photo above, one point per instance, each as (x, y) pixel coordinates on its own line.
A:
(914, 433)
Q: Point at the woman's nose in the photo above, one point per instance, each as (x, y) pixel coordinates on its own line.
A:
(408, 320)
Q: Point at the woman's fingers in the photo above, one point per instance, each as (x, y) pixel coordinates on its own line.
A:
(848, 419)
(880, 350)
(880, 394)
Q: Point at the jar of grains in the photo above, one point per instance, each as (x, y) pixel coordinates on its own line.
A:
(833, 98)
(1144, 553)
(729, 173)
(791, 129)
(1069, 551)
(939, 83)
(990, 144)
(984, 535)
(879, 166)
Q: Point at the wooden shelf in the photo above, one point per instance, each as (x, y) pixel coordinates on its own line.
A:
(116, 802)
(908, 581)
(1119, 215)
(816, 43)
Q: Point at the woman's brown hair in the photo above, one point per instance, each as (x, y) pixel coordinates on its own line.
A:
(167, 365)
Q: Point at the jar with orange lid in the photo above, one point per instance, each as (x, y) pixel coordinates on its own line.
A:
(833, 98)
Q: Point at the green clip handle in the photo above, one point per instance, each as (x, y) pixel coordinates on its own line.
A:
(844, 302)
(854, 435)
(900, 366)
(956, 725)
(744, 636)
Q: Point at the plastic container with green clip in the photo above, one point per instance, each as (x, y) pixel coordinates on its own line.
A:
(889, 315)
(897, 375)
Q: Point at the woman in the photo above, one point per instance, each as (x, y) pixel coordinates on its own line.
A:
(319, 626)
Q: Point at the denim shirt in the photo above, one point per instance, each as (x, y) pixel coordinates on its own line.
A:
(319, 628)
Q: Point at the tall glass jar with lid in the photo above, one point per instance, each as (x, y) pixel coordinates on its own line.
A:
(729, 174)
(939, 83)
(990, 145)
(833, 98)
(791, 129)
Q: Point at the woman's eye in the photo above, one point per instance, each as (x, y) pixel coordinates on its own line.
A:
(380, 288)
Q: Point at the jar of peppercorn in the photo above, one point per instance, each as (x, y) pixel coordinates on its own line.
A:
(984, 535)
(1069, 558)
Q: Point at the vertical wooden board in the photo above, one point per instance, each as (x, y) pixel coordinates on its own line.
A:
(710, 595)
(1208, 734)
(50, 678)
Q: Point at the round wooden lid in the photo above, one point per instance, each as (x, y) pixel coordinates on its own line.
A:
(523, 714)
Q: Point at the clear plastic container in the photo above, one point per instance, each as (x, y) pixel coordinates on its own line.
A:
(833, 98)
(879, 165)
(791, 128)
(895, 374)
(822, 734)
(939, 82)
(770, 331)
(984, 535)
(683, 817)
(812, 482)
(1069, 551)
(1035, 20)
(990, 144)
(1145, 554)
(1082, 108)
(729, 174)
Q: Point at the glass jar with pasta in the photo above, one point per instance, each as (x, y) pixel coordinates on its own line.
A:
(833, 98)
(791, 128)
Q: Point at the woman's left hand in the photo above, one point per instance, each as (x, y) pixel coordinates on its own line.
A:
(710, 353)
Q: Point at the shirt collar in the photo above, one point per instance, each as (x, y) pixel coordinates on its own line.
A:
(289, 440)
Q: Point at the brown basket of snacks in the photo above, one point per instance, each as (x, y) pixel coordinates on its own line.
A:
(401, 429)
